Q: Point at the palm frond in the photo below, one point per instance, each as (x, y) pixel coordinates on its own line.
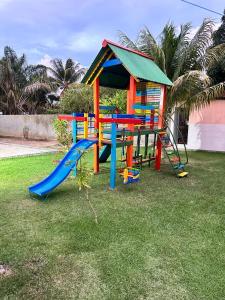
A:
(147, 44)
(9, 53)
(204, 97)
(69, 63)
(192, 56)
(126, 41)
(214, 55)
(200, 42)
(182, 43)
(168, 44)
(188, 85)
(34, 88)
(22, 61)
(57, 68)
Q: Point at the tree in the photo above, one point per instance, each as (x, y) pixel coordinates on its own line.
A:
(65, 74)
(118, 99)
(79, 98)
(219, 34)
(217, 71)
(185, 60)
(22, 87)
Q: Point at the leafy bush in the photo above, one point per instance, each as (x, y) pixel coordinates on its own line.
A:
(79, 98)
(63, 133)
(118, 100)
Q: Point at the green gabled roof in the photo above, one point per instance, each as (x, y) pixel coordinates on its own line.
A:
(134, 63)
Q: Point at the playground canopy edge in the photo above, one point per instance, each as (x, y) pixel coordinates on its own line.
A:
(126, 62)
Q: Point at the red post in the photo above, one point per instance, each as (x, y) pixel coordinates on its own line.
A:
(96, 123)
(152, 119)
(131, 95)
(160, 125)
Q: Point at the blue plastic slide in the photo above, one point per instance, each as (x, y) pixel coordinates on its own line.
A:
(62, 170)
(105, 153)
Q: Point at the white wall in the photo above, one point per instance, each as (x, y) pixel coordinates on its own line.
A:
(210, 137)
(35, 126)
(206, 130)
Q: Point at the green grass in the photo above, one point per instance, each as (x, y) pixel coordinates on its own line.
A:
(162, 238)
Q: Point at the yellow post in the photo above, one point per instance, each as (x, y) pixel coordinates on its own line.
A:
(86, 126)
(100, 131)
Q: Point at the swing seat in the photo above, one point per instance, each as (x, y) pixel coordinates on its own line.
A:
(131, 175)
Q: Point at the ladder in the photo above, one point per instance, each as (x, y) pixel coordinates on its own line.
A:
(171, 150)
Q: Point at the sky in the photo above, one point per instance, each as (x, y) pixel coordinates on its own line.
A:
(47, 29)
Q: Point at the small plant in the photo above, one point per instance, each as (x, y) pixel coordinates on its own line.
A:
(118, 100)
(64, 136)
(83, 179)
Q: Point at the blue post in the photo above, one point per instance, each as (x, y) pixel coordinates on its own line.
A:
(74, 135)
(113, 158)
(74, 129)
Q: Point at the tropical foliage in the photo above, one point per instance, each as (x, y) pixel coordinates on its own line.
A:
(118, 100)
(217, 71)
(79, 98)
(64, 74)
(63, 134)
(23, 87)
(33, 88)
(219, 34)
(185, 59)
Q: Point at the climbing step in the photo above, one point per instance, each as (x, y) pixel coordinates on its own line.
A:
(171, 150)
(182, 174)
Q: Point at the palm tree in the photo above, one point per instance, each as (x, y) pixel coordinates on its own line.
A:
(22, 86)
(63, 75)
(185, 60)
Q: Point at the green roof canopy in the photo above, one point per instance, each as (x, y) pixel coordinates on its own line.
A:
(133, 63)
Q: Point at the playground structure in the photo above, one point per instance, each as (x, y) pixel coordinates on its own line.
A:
(118, 67)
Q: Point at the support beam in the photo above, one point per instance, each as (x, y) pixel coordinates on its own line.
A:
(96, 123)
(112, 62)
(86, 126)
(160, 125)
(74, 129)
(74, 134)
(131, 95)
(113, 158)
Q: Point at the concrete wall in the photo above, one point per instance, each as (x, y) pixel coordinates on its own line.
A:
(206, 130)
(31, 126)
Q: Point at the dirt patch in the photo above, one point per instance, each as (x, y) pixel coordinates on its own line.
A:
(5, 271)
(36, 264)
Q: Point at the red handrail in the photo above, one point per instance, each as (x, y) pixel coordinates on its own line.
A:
(71, 118)
(121, 121)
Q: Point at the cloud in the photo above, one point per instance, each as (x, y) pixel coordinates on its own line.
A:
(49, 43)
(4, 3)
(49, 27)
(34, 51)
(45, 60)
(85, 42)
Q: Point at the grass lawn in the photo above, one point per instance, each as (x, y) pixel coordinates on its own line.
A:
(163, 238)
